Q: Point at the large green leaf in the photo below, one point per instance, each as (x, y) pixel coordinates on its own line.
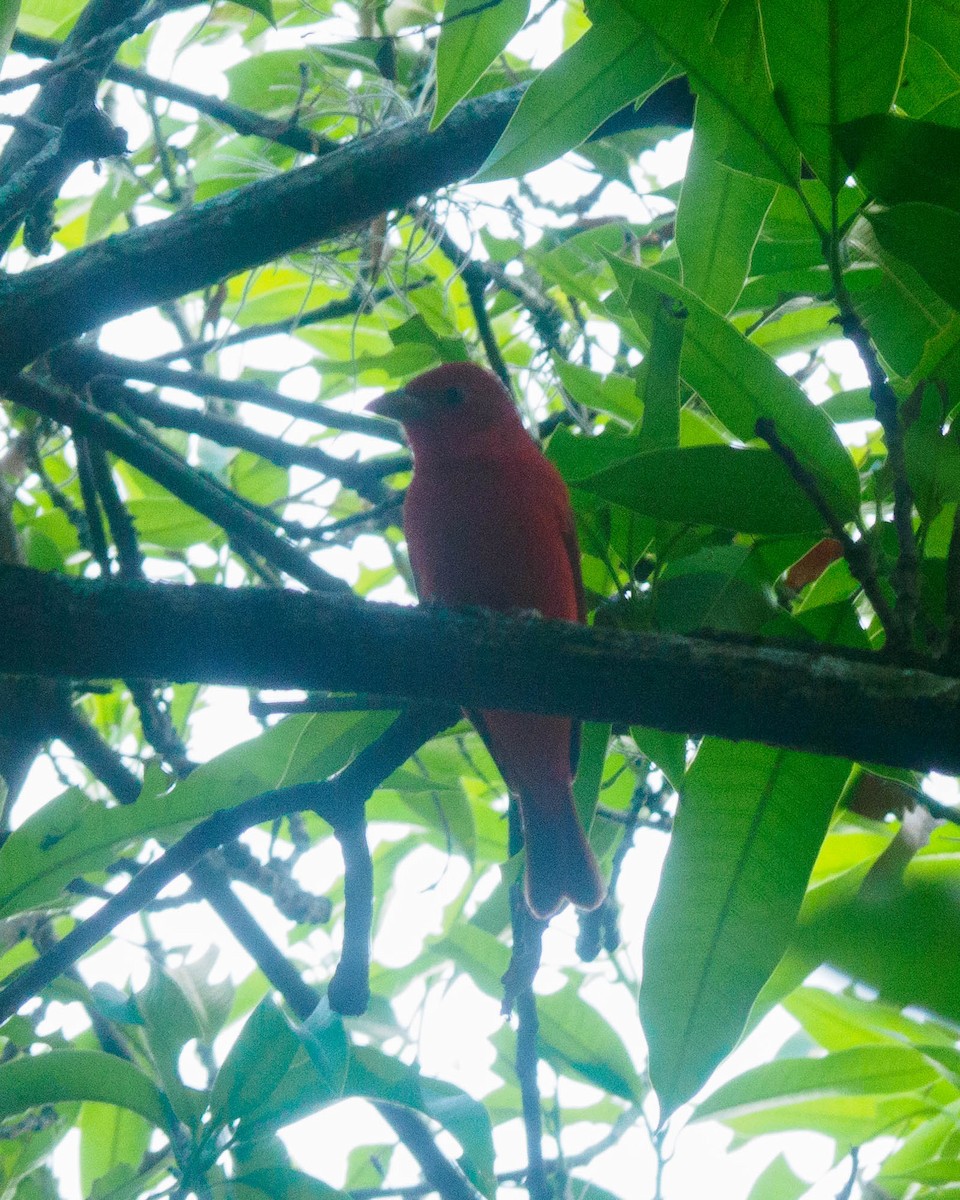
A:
(843, 1021)
(904, 315)
(833, 61)
(741, 383)
(750, 824)
(927, 238)
(864, 1071)
(169, 1023)
(721, 210)
(764, 145)
(109, 1137)
(72, 835)
(750, 491)
(898, 160)
(257, 1062)
(778, 1182)
(658, 379)
(610, 66)
(60, 1075)
(471, 37)
(720, 214)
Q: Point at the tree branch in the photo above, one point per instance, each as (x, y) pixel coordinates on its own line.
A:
(849, 704)
(215, 502)
(82, 363)
(351, 787)
(243, 120)
(42, 308)
(359, 300)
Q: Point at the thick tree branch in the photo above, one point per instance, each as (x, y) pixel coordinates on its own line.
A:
(42, 308)
(102, 27)
(850, 705)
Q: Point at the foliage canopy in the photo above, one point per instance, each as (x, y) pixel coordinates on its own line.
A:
(748, 379)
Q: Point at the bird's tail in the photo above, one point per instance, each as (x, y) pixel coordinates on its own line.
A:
(560, 863)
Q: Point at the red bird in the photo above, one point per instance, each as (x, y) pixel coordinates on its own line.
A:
(488, 523)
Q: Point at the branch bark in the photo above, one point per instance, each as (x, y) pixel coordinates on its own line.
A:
(44, 307)
(827, 702)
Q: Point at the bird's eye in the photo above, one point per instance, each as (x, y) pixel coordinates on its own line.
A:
(453, 396)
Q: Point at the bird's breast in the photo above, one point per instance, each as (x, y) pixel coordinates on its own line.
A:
(490, 532)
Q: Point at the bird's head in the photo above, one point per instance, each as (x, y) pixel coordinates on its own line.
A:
(449, 406)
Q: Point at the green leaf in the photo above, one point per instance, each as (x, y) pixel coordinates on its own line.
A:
(9, 9)
(607, 68)
(741, 383)
(281, 1183)
(864, 1071)
(328, 1047)
(719, 216)
(750, 491)
(613, 394)
(263, 8)
(764, 145)
(855, 405)
(925, 236)
(747, 832)
(61, 1075)
(594, 738)
(922, 1145)
(257, 1062)
(721, 210)
(778, 1182)
(904, 316)
(831, 62)
(658, 379)
(575, 1039)
(898, 160)
(715, 588)
(471, 37)
(843, 1021)
(667, 750)
(169, 1022)
(109, 1137)
(72, 835)
(376, 1076)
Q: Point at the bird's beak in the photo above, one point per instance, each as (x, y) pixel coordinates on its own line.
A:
(400, 405)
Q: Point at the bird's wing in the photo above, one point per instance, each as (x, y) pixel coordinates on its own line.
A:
(572, 547)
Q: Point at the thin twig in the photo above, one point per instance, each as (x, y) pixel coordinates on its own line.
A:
(92, 517)
(79, 364)
(518, 994)
(475, 281)
(356, 302)
(352, 786)
(363, 477)
(243, 120)
(161, 464)
(858, 554)
(905, 575)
